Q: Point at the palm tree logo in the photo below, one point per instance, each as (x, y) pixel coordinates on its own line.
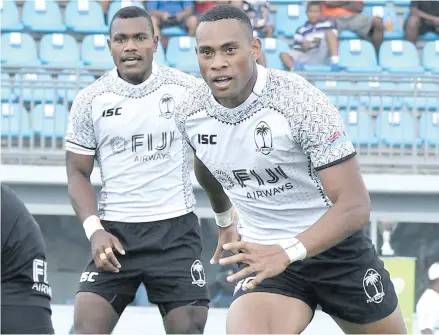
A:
(373, 279)
(167, 106)
(197, 273)
(263, 138)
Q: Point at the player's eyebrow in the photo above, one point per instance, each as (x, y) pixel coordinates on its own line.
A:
(226, 45)
(122, 35)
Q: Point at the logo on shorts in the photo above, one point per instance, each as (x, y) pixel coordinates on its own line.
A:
(118, 144)
(263, 138)
(224, 179)
(373, 286)
(242, 283)
(197, 273)
(167, 106)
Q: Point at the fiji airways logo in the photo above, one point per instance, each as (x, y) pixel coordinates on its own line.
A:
(263, 138)
(373, 286)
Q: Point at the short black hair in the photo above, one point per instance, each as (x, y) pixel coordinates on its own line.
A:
(227, 12)
(313, 3)
(131, 12)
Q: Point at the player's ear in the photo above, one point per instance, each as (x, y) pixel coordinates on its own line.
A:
(109, 44)
(256, 45)
(155, 43)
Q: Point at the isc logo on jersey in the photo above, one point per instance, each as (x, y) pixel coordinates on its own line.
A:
(39, 274)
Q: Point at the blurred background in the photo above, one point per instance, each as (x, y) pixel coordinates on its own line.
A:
(377, 60)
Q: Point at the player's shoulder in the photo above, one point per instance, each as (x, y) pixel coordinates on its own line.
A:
(86, 95)
(194, 99)
(176, 77)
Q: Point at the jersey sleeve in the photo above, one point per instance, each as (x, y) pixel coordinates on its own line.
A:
(80, 136)
(320, 131)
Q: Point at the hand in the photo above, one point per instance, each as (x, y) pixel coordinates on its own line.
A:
(165, 16)
(226, 235)
(102, 244)
(307, 45)
(265, 261)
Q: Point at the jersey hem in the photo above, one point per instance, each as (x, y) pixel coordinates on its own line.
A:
(150, 218)
(338, 161)
(79, 149)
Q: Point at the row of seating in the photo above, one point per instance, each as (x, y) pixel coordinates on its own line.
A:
(357, 56)
(391, 128)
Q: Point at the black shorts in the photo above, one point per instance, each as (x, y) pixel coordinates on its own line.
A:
(164, 255)
(348, 281)
(26, 320)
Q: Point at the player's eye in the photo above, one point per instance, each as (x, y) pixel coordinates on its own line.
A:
(231, 50)
(141, 38)
(206, 53)
(119, 39)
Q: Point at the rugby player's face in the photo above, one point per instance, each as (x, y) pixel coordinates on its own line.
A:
(227, 56)
(132, 46)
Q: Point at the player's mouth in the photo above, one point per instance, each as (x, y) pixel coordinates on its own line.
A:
(221, 82)
(131, 60)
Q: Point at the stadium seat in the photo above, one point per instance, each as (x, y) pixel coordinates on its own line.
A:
(95, 52)
(272, 48)
(392, 27)
(430, 56)
(429, 128)
(15, 121)
(59, 50)
(373, 98)
(172, 31)
(10, 19)
(359, 127)
(396, 128)
(35, 87)
(422, 103)
(341, 101)
(43, 16)
(118, 4)
(348, 35)
(400, 57)
(85, 17)
(19, 49)
(372, 3)
(426, 37)
(7, 89)
(289, 18)
(286, 2)
(49, 120)
(181, 54)
(401, 3)
(69, 84)
(358, 56)
(159, 56)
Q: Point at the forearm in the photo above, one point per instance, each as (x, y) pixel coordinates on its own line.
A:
(82, 196)
(338, 223)
(426, 16)
(185, 13)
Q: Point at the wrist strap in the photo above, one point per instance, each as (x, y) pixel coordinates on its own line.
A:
(224, 219)
(295, 249)
(91, 224)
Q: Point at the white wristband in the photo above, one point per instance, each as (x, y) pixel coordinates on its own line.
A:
(295, 249)
(224, 219)
(91, 224)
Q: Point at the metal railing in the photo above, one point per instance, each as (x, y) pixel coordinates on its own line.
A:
(394, 129)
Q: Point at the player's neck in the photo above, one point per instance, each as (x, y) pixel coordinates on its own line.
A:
(435, 286)
(243, 96)
(135, 79)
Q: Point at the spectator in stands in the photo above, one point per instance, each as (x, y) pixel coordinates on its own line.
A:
(172, 13)
(427, 309)
(202, 5)
(347, 16)
(258, 12)
(424, 18)
(315, 42)
(105, 4)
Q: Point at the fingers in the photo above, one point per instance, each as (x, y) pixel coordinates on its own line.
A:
(112, 258)
(236, 247)
(254, 282)
(238, 258)
(247, 271)
(217, 255)
(104, 254)
(117, 245)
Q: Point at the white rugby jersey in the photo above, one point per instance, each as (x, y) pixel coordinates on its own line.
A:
(142, 156)
(427, 311)
(266, 151)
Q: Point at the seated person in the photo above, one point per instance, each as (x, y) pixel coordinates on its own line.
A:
(424, 18)
(203, 5)
(172, 13)
(315, 43)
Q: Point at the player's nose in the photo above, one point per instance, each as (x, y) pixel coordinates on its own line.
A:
(218, 63)
(130, 45)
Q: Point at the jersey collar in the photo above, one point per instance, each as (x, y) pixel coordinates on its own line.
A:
(154, 73)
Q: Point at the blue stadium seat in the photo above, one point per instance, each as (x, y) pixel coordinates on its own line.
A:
(348, 35)
(10, 19)
(401, 3)
(173, 31)
(289, 18)
(412, 101)
(358, 56)
(341, 101)
(429, 128)
(70, 84)
(33, 87)
(400, 57)
(272, 48)
(19, 49)
(43, 17)
(159, 56)
(359, 127)
(49, 120)
(372, 3)
(181, 54)
(396, 128)
(286, 2)
(392, 27)
(85, 17)
(117, 4)
(430, 56)
(8, 94)
(95, 52)
(15, 121)
(59, 50)
(378, 101)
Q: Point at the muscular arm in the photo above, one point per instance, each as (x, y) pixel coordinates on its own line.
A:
(416, 12)
(81, 192)
(350, 212)
(217, 197)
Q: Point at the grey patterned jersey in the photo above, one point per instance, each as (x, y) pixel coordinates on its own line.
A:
(131, 131)
(266, 151)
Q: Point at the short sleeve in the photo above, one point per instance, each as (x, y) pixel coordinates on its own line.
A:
(321, 132)
(80, 136)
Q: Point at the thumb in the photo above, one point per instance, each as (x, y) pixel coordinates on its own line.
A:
(117, 245)
(218, 253)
